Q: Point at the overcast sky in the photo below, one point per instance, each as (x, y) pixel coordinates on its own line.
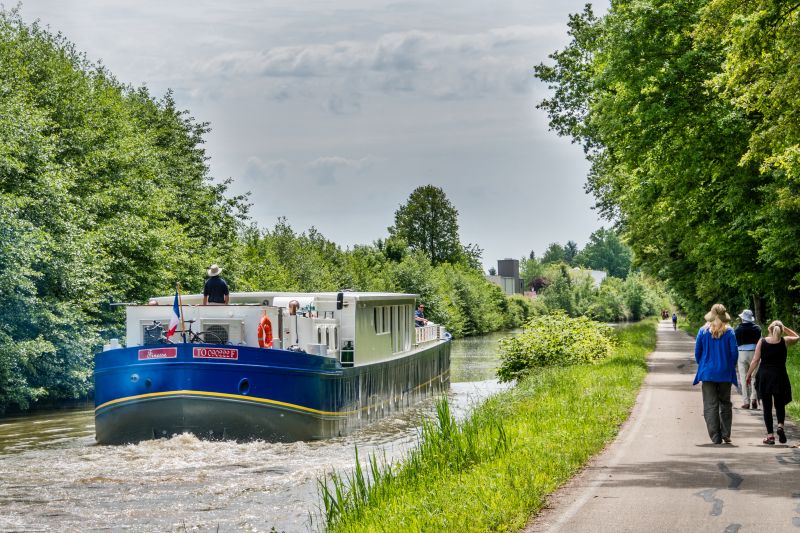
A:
(331, 113)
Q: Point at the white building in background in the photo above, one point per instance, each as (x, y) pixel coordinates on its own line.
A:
(507, 277)
(597, 275)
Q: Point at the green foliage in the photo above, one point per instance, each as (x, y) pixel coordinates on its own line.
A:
(493, 471)
(445, 448)
(428, 221)
(559, 294)
(610, 304)
(456, 295)
(104, 195)
(553, 340)
(554, 254)
(606, 251)
(687, 111)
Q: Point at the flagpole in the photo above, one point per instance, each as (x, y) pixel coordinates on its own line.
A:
(180, 311)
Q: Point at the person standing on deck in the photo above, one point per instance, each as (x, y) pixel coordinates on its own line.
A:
(716, 354)
(216, 289)
(773, 380)
(419, 316)
(747, 336)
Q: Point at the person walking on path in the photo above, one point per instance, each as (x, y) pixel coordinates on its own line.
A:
(716, 354)
(675, 321)
(773, 382)
(747, 336)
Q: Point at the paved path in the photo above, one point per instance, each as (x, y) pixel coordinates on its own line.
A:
(663, 473)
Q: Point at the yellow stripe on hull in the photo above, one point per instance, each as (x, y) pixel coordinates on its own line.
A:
(240, 397)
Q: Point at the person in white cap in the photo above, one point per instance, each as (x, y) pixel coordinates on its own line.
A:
(216, 289)
(747, 336)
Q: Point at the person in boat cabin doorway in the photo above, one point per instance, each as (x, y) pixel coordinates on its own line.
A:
(216, 289)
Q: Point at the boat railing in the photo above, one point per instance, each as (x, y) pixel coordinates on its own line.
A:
(427, 333)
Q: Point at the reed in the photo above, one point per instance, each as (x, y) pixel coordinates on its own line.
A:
(494, 469)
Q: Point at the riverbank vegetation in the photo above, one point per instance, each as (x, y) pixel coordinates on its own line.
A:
(553, 340)
(491, 472)
(693, 153)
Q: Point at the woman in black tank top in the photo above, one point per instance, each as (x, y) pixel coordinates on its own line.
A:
(773, 384)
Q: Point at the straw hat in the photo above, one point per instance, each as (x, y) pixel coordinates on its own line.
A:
(718, 312)
(214, 270)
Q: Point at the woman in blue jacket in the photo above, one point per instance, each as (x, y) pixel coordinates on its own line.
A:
(716, 355)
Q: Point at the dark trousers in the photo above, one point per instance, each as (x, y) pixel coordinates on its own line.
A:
(717, 409)
(780, 410)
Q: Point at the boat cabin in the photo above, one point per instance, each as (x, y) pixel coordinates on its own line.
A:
(355, 328)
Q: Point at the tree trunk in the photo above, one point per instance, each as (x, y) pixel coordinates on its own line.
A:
(760, 308)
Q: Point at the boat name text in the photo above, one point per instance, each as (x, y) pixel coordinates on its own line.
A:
(158, 353)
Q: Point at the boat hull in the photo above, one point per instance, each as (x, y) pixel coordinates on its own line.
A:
(274, 395)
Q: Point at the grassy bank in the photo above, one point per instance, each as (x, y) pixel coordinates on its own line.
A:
(793, 368)
(494, 470)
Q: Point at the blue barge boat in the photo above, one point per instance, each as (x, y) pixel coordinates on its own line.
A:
(336, 362)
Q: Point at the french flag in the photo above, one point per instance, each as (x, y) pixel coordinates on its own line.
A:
(176, 317)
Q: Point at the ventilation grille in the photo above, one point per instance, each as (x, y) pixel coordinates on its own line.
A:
(217, 331)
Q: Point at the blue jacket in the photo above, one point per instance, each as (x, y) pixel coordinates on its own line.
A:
(716, 358)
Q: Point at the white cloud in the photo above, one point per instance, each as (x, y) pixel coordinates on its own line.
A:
(435, 63)
(258, 170)
(328, 169)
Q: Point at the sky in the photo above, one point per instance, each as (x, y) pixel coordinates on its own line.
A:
(332, 113)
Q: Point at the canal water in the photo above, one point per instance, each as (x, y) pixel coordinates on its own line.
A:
(53, 477)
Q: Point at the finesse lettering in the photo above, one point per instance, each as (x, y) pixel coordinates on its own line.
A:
(158, 353)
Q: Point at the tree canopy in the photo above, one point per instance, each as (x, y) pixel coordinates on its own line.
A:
(428, 221)
(104, 196)
(692, 140)
(606, 251)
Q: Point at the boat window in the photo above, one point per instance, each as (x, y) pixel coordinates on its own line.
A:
(408, 312)
(382, 318)
(395, 330)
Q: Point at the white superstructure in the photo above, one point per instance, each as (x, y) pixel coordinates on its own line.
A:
(356, 328)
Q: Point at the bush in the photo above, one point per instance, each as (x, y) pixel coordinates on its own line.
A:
(553, 340)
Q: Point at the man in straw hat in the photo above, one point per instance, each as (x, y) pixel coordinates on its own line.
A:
(216, 289)
(716, 355)
(747, 336)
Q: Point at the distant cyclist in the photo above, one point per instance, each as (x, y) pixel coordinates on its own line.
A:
(675, 321)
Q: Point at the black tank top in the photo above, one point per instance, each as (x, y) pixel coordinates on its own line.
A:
(773, 355)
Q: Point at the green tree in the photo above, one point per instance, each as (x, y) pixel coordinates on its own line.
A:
(570, 252)
(554, 254)
(634, 88)
(606, 251)
(104, 195)
(428, 221)
(559, 294)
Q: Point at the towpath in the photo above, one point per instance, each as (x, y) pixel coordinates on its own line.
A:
(662, 473)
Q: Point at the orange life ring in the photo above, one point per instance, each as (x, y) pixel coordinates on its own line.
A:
(265, 332)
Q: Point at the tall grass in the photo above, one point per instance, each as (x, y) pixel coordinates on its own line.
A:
(492, 471)
(793, 368)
